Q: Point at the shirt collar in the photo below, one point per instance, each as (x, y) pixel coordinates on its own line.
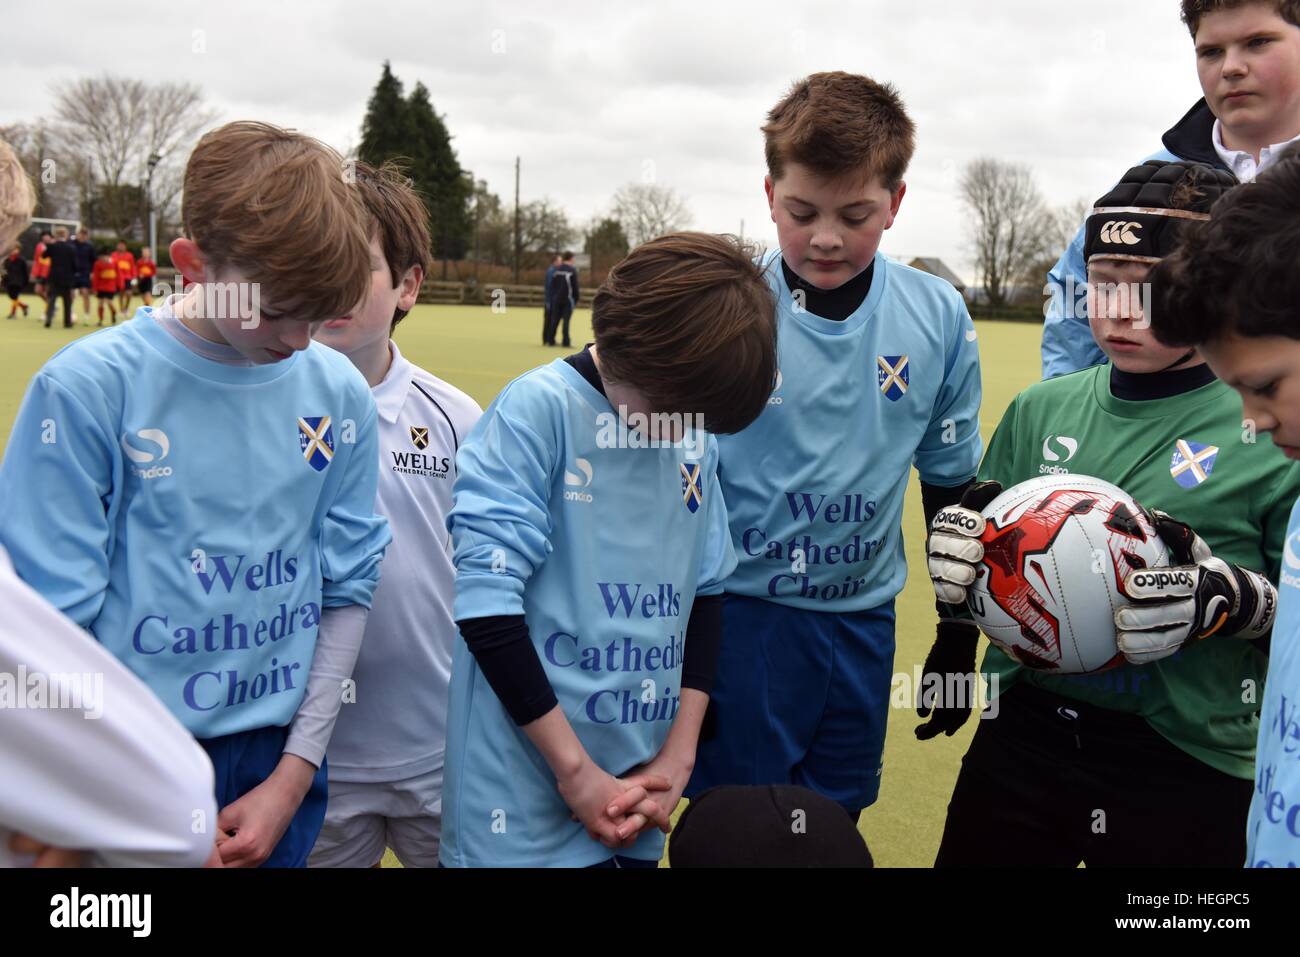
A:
(390, 394)
(1243, 164)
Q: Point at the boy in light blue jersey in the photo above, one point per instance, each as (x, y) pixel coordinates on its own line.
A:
(196, 487)
(879, 372)
(1231, 290)
(590, 543)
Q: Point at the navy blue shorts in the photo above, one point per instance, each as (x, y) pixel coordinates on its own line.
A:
(800, 697)
(244, 760)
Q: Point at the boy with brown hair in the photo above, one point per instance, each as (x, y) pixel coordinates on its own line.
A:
(1248, 63)
(386, 756)
(591, 542)
(215, 528)
(879, 371)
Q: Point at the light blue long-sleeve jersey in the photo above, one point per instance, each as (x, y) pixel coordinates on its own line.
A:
(815, 485)
(1068, 345)
(195, 517)
(1273, 828)
(602, 550)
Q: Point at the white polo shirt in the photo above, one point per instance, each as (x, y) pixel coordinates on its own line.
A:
(397, 726)
(1243, 164)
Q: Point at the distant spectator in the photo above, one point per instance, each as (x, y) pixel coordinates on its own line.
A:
(124, 263)
(15, 278)
(41, 264)
(563, 287)
(62, 274)
(548, 331)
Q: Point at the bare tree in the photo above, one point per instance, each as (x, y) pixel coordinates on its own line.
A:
(56, 196)
(647, 211)
(108, 129)
(1059, 228)
(1010, 224)
(544, 227)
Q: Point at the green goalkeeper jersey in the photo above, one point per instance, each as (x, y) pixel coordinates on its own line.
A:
(1190, 456)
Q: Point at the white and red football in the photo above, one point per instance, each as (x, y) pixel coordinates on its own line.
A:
(1056, 550)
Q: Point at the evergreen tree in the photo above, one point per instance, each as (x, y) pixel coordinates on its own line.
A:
(439, 178)
(385, 131)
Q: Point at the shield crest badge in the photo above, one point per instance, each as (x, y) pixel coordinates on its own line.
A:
(316, 440)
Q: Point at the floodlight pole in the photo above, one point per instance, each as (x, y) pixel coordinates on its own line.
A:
(154, 160)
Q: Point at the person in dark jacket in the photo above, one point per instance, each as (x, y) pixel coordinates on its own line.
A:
(563, 288)
(548, 331)
(63, 274)
(15, 278)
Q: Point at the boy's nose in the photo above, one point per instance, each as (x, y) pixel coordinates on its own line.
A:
(1234, 64)
(298, 337)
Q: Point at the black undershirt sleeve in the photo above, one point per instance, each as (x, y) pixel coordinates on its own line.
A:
(703, 642)
(506, 654)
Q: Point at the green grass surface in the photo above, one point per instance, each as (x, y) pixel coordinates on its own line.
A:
(480, 351)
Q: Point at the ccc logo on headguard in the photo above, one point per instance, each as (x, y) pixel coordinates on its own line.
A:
(1120, 233)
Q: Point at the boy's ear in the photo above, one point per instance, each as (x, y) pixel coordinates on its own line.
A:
(410, 288)
(895, 201)
(770, 188)
(188, 259)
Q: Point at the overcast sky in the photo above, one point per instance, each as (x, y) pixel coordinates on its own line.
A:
(593, 95)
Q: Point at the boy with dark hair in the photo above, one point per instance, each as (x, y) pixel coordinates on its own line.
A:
(1231, 290)
(879, 371)
(215, 528)
(1098, 768)
(15, 279)
(386, 756)
(1248, 63)
(590, 543)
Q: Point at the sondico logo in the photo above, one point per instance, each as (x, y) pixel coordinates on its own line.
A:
(1067, 445)
(776, 399)
(1292, 561)
(1162, 580)
(578, 482)
(138, 455)
(1120, 233)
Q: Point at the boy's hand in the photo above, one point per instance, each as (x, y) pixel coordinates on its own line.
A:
(948, 680)
(259, 819)
(1200, 596)
(659, 804)
(591, 791)
(954, 548)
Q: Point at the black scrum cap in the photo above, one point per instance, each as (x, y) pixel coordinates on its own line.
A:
(1140, 219)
